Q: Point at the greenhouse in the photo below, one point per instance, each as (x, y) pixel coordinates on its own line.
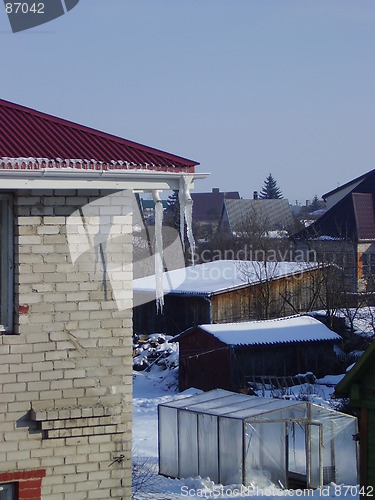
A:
(234, 438)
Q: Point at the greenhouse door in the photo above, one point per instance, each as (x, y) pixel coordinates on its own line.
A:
(304, 455)
(296, 456)
(315, 460)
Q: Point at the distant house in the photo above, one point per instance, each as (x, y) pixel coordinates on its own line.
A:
(208, 208)
(242, 216)
(224, 291)
(359, 385)
(345, 233)
(148, 209)
(228, 356)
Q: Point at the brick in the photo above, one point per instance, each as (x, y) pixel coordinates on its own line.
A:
(48, 230)
(28, 221)
(34, 240)
(58, 221)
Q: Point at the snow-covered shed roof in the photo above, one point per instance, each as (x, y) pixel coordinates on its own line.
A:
(220, 275)
(275, 331)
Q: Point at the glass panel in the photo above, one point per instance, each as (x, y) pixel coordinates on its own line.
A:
(6, 237)
(265, 453)
(230, 451)
(345, 452)
(168, 442)
(340, 459)
(198, 398)
(187, 444)
(208, 447)
(3, 254)
(7, 491)
(254, 473)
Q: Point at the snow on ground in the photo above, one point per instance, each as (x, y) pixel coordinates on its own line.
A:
(159, 385)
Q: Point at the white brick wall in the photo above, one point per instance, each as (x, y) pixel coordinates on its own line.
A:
(65, 360)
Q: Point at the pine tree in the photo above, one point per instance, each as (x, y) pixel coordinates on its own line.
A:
(172, 212)
(270, 190)
(316, 204)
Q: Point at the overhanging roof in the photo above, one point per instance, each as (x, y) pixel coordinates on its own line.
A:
(37, 150)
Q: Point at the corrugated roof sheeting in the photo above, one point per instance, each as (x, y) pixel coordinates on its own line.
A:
(28, 133)
(278, 331)
(272, 214)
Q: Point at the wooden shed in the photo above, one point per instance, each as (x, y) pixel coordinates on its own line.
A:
(359, 385)
(225, 291)
(229, 356)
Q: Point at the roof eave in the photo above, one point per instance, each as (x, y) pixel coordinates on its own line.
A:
(141, 180)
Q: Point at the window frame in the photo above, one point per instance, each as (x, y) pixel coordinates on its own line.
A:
(6, 264)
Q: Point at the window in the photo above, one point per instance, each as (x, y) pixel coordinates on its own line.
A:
(7, 491)
(6, 263)
(368, 264)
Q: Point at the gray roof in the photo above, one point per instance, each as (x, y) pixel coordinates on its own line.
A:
(274, 214)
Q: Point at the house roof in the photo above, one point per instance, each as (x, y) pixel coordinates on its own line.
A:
(294, 329)
(219, 276)
(208, 206)
(351, 217)
(27, 133)
(274, 214)
(348, 185)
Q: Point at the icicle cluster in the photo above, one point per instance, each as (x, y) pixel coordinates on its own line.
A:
(186, 217)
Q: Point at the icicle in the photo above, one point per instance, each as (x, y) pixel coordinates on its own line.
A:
(186, 214)
(181, 198)
(159, 268)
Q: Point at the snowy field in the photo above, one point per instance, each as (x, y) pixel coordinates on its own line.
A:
(158, 385)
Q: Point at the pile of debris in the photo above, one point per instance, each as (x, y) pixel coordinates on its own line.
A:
(154, 350)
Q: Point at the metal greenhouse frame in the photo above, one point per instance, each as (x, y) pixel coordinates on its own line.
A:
(234, 438)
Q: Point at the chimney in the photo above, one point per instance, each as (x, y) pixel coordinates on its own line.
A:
(216, 190)
(255, 195)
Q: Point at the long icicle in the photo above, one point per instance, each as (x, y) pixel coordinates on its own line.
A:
(186, 214)
(181, 198)
(159, 269)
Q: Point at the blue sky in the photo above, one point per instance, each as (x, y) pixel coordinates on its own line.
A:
(245, 87)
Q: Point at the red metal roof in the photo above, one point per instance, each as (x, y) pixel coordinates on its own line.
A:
(26, 133)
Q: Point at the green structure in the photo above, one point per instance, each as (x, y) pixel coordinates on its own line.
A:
(359, 385)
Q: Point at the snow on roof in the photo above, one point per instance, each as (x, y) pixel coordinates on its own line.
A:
(220, 275)
(275, 331)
